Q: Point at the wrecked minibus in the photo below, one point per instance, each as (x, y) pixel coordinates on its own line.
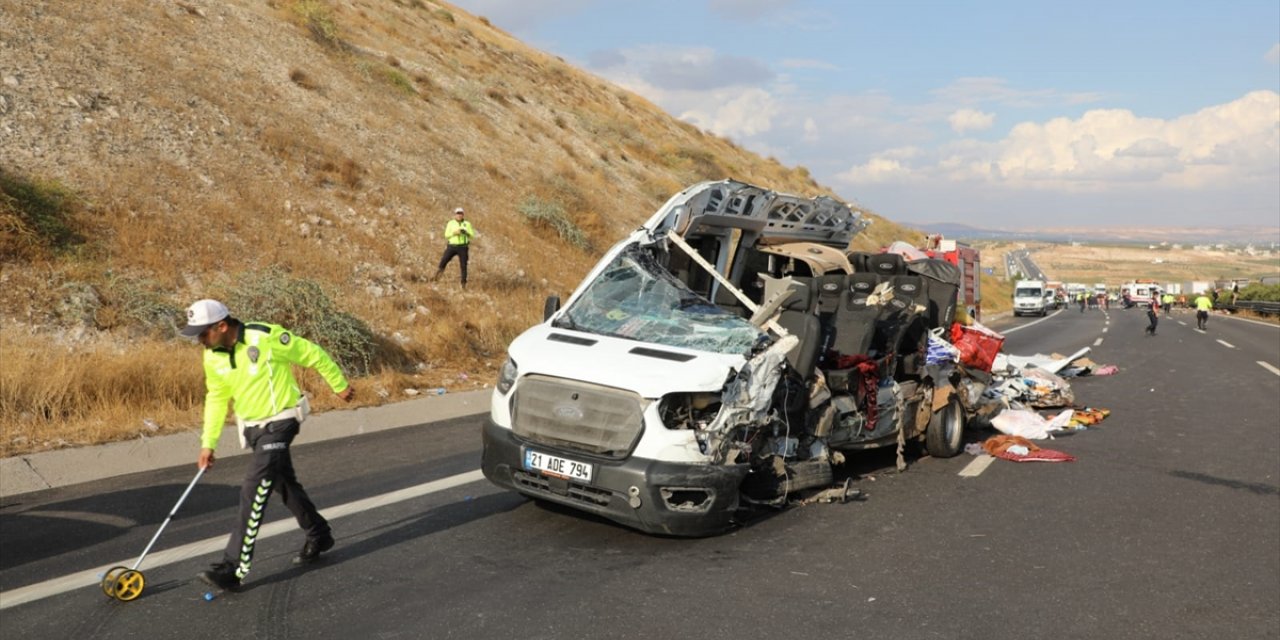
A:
(725, 356)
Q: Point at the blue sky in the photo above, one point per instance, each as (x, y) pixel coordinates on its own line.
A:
(997, 114)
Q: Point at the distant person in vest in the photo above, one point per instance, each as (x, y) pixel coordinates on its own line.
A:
(1203, 306)
(458, 234)
(1153, 314)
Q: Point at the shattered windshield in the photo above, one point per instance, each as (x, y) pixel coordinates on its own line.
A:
(637, 299)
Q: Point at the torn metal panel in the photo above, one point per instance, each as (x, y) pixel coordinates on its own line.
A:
(748, 399)
(821, 259)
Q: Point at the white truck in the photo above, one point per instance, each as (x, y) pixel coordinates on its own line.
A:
(1029, 298)
(723, 357)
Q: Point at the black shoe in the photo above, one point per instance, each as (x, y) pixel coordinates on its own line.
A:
(221, 575)
(312, 549)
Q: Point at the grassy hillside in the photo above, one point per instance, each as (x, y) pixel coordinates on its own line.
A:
(299, 159)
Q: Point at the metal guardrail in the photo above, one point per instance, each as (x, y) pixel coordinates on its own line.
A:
(1257, 306)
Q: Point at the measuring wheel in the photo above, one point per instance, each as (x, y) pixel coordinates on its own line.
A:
(128, 585)
(109, 580)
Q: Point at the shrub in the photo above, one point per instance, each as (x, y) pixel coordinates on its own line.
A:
(552, 214)
(135, 304)
(1260, 292)
(35, 215)
(317, 17)
(272, 295)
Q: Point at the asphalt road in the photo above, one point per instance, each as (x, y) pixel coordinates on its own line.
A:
(1167, 526)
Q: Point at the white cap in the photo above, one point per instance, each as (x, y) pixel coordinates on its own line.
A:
(203, 314)
(458, 210)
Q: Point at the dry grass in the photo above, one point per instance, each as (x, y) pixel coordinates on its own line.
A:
(1115, 264)
(216, 165)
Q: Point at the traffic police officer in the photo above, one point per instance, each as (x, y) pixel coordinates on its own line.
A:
(251, 363)
(458, 234)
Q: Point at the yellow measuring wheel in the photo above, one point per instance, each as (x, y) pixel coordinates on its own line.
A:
(109, 580)
(128, 585)
(125, 584)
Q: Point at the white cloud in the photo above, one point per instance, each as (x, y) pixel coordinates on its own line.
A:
(1273, 55)
(810, 130)
(1107, 165)
(890, 165)
(970, 120)
(748, 113)
(1233, 143)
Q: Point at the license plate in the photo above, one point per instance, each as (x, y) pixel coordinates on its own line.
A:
(557, 466)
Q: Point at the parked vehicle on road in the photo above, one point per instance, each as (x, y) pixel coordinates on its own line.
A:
(723, 357)
(1029, 298)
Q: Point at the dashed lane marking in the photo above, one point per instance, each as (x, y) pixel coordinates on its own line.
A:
(90, 577)
(1269, 368)
(975, 468)
(1226, 344)
(1097, 342)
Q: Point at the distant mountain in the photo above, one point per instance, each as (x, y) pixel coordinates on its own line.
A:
(1258, 235)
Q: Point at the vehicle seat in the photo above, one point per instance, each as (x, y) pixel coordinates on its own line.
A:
(907, 325)
(854, 324)
(799, 319)
(942, 288)
(887, 264)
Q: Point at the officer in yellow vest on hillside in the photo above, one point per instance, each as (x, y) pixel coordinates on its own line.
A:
(458, 234)
(251, 364)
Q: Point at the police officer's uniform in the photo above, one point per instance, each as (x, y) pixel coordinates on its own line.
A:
(258, 374)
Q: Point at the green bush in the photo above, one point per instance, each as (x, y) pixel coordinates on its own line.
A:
(1261, 292)
(552, 214)
(137, 304)
(272, 295)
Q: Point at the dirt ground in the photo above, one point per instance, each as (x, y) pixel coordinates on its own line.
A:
(1115, 264)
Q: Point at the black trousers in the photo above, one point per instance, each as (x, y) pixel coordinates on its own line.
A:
(270, 470)
(1202, 319)
(1154, 319)
(450, 251)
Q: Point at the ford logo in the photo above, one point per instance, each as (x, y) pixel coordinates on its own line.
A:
(567, 412)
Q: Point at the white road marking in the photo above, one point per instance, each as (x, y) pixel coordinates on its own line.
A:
(1239, 319)
(1269, 368)
(1104, 329)
(1032, 323)
(1097, 342)
(1182, 323)
(1226, 344)
(975, 468)
(84, 516)
(90, 577)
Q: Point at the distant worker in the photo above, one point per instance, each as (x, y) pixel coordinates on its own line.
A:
(1153, 315)
(1081, 299)
(1213, 297)
(1167, 303)
(1235, 292)
(458, 234)
(1203, 306)
(251, 365)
